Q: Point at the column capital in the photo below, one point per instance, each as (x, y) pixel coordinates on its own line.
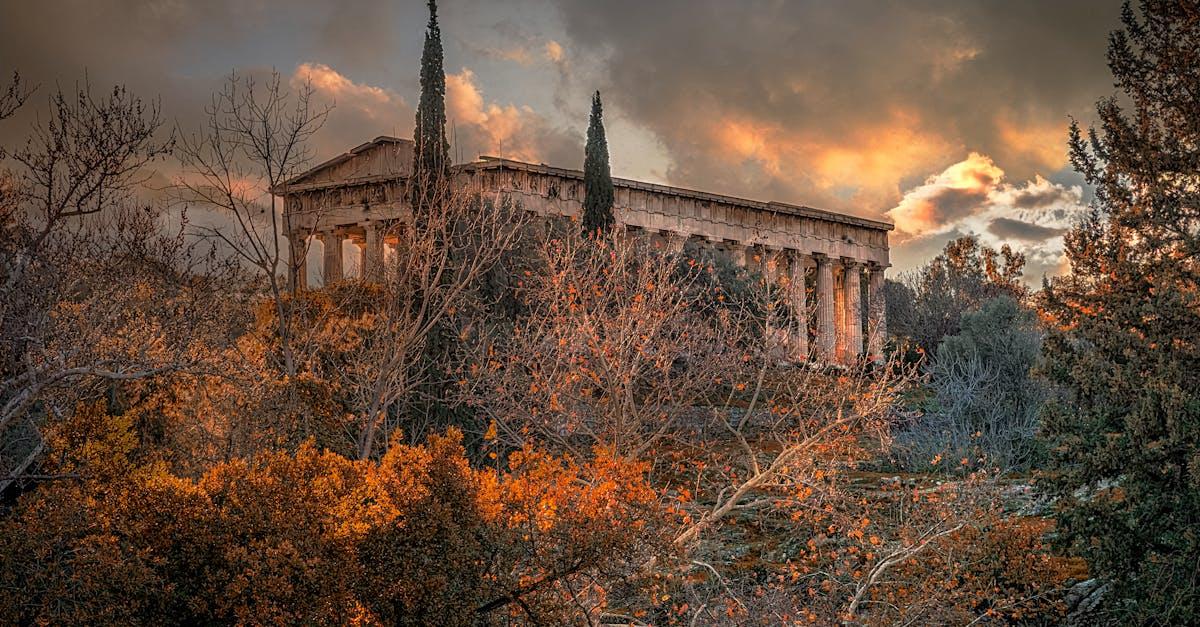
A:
(851, 263)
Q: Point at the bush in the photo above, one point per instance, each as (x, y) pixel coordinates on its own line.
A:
(417, 538)
(984, 402)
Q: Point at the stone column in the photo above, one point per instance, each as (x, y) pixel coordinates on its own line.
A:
(839, 312)
(737, 253)
(332, 266)
(659, 240)
(362, 256)
(826, 331)
(799, 344)
(853, 311)
(754, 258)
(372, 253)
(298, 250)
(876, 315)
(771, 264)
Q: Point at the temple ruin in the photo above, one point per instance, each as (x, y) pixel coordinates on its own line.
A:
(355, 196)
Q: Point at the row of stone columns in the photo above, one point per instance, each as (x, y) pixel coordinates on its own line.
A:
(370, 244)
(838, 306)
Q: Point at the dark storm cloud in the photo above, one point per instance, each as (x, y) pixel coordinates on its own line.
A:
(1008, 228)
(363, 53)
(180, 50)
(1037, 198)
(850, 105)
(950, 203)
(891, 89)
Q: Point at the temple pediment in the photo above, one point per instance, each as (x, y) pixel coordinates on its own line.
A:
(383, 158)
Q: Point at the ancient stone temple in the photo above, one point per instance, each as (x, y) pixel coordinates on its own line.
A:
(828, 258)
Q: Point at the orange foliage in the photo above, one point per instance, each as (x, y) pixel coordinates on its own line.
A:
(313, 537)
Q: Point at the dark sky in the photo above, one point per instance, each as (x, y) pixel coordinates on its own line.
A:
(947, 117)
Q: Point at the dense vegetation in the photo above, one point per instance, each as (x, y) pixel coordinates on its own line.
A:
(511, 423)
(1126, 328)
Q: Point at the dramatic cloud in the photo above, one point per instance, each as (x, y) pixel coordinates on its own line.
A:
(1008, 228)
(507, 130)
(361, 112)
(971, 198)
(959, 191)
(848, 105)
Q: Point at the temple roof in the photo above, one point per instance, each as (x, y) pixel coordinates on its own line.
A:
(371, 162)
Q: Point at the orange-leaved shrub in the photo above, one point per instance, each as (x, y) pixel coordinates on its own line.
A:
(418, 537)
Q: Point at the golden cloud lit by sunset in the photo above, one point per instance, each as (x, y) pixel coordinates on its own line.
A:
(965, 183)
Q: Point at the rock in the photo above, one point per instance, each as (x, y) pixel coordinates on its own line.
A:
(1082, 600)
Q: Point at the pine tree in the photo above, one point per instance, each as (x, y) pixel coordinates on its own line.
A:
(597, 178)
(431, 165)
(1126, 346)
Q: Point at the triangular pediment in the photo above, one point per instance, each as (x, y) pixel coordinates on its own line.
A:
(380, 158)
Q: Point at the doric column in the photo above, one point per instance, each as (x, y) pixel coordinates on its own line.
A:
(372, 253)
(298, 249)
(332, 269)
(826, 331)
(737, 253)
(754, 258)
(796, 284)
(839, 312)
(660, 240)
(853, 310)
(876, 315)
(362, 256)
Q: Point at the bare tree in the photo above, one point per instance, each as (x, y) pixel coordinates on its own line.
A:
(254, 141)
(615, 350)
(440, 259)
(92, 291)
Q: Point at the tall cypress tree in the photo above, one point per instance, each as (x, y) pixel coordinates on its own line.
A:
(597, 177)
(1126, 340)
(431, 167)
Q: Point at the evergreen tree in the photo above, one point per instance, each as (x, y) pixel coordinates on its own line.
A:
(597, 178)
(431, 166)
(1127, 328)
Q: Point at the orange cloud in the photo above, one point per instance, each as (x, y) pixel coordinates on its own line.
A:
(1044, 143)
(554, 51)
(494, 128)
(875, 157)
(959, 190)
(374, 101)
(972, 197)
(747, 140)
(868, 162)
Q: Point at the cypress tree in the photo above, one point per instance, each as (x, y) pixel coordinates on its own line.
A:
(1126, 340)
(597, 178)
(431, 166)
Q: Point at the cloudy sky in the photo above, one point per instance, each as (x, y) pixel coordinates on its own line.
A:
(945, 116)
